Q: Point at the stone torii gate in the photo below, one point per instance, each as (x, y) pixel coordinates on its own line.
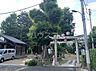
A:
(75, 40)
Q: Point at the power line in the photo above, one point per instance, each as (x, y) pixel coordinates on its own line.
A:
(19, 9)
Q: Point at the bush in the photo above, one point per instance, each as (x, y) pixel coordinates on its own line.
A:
(93, 58)
(31, 63)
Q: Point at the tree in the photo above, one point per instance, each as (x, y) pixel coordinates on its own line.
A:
(53, 13)
(25, 23)
(92, 51)
(39, 35)
(37, 15)
(93, 59)
(92, 35)
(17, 26)
(50, 20)
(10, 26)
(66, 22)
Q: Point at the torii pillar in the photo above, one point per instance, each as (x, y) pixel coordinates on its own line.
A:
(77, 51)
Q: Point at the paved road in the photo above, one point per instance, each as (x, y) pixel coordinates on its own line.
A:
(15, 61)
(11, 67)
(18, 65)
(25, 68)
(47, 69)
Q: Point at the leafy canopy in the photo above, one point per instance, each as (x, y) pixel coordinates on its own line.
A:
(49, 20)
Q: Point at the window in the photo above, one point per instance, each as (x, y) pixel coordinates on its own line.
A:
(5, 52)
(13, 51)
(9, 51)
(1, 51)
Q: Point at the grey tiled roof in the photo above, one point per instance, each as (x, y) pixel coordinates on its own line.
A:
(1, 41)
(13, 39)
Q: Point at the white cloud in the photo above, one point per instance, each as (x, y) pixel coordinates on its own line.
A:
(11, 5)
(66, 3)
(92, 6)
(6, 5)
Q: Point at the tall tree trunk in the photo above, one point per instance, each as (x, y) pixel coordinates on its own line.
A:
(44, 51)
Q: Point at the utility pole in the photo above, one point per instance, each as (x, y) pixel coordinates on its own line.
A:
(85, 36)
(91, 28)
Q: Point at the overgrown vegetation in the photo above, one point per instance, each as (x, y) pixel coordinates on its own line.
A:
(93, 58)
(31, 63)
(92, 35)
(51, 20)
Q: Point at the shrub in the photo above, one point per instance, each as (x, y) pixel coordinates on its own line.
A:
(31, 63)
(93, 58)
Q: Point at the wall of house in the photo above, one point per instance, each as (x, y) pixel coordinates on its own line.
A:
(20, 50)
(1, 46)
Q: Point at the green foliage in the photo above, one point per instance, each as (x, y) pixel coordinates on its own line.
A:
(54, 15)
(24, 22)
(61, 49)
(31, 33)
(48, 21)
(66, 22)
(47, 6)
(31, 63)
(70, 49)
(37, 15)
(10, 26)
(40, 36)
(92, 35)
(94, 32)
(93, 58)
(17, 26)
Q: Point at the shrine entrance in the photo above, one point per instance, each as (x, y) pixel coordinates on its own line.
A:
(67, 39)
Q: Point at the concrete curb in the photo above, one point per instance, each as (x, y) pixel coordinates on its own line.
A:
(12, 64)
(84, 70)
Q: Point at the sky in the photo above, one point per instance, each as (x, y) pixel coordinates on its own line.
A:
(12, 5)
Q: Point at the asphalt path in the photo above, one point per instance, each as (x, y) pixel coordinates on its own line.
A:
(26, 68)
(48, 69)
(11, 67)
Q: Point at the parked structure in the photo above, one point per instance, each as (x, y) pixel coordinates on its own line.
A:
(8, 42)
